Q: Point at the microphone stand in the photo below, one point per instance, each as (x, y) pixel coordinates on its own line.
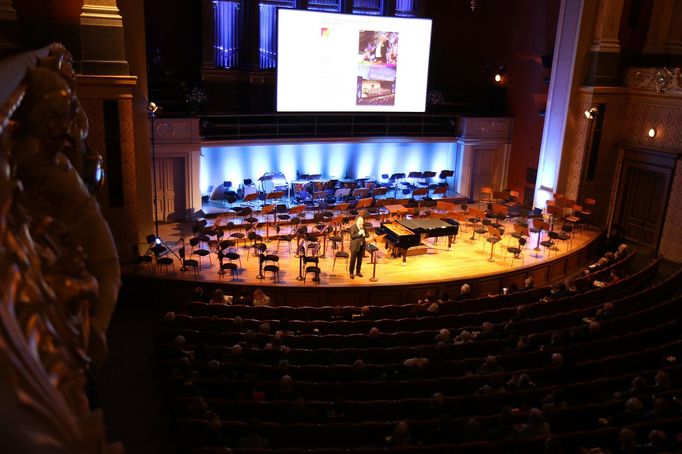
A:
(152, 108)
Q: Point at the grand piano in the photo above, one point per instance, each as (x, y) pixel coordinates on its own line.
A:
(403, 234)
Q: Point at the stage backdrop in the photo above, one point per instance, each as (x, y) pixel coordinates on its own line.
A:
(351, 159)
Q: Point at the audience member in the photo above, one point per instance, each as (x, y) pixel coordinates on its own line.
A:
(400, 436)
(464, 337)
(536, 425)
(260, 298)
(220, 298)
(464, 293)
(490, 366)
(528, 283)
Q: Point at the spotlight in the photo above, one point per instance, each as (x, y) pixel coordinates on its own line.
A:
(498, 77)
(592, 113)
(152, 108)
(652, 132)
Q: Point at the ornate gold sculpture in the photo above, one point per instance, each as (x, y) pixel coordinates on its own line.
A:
(58, 267)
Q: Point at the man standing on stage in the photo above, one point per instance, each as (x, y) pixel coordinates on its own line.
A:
(357, 246)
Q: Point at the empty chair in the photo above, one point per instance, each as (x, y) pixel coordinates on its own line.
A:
(311, 265)
(162, 257)
(188, 263)
(516, 251)
(550, 243)
(340, 255)
(231, 265)
(486, 195)
(494, 237)
(270, 263)
(197, 250)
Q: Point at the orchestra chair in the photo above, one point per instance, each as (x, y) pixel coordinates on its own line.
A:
(264, 212)
(485, 196)
(231, 265)
(270, 263)
(520, 231)
(515, 251)
(549, 244)
(163, 258)
(311, 265)
(257, 245)
(228, 247)
(475, 217)
(483, 231)
(586, 212)
(574, 219)
(187, 263)
(281, 215)
(146, 258)
(197, 250)
(565, 235)
(493, 238)
(341, 255)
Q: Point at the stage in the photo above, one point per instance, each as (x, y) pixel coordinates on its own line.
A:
(439, 269)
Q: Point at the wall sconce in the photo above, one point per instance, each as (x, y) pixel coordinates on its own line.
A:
(499, 74)
(592, 113)
(651, 132)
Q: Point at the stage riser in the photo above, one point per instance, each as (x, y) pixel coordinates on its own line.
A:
(160, 290)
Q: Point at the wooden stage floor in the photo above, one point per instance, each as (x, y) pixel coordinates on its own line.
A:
(467, 259)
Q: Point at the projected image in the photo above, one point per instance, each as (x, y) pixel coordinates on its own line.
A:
(377, 68)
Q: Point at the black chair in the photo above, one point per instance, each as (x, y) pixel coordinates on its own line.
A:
(270, 263)
(340, 255)
(161, 254)
(314, 268)
(188, 263)
(516, 251)
(197, 250)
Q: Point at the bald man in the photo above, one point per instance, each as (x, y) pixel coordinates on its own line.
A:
(357, 246)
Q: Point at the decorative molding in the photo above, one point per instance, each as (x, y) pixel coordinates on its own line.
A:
(485, 128)
(660, 80)
(177, 130)
(102, 13)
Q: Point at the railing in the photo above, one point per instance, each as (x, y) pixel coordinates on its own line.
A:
(292, 126)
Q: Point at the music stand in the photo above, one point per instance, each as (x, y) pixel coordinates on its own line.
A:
(360, 192)
(373, 253)
(376, 192)
(440, 190)
(250, 197)
(275, 195)
(364, 203)
(341, 193)
(444, 175)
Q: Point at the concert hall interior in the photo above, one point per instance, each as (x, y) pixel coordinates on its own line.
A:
(329, 226)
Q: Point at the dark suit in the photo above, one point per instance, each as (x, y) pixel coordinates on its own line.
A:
(357, 249)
